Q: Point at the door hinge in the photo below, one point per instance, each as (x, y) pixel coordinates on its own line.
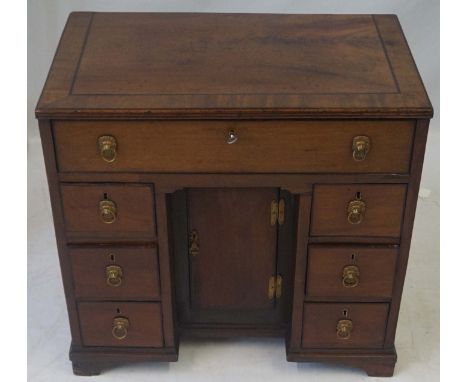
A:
(277, 212)
(275, 286)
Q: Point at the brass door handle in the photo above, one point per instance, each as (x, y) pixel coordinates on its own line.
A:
(120, 327)
(344, 329)
(356, 211)
(232, 137)
(108, 211)
(361, 146)
(114, 275)
(108, 148)
(350, 276)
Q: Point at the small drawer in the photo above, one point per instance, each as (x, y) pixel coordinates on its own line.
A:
(121, 324)
(95, 212)
(356, 325)
(358, 210)
(335, 272)
(237, 146)
(115, 273)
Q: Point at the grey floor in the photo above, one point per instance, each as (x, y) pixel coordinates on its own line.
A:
(417, 339)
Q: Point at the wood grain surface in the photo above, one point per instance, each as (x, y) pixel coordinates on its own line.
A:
(262, 147)
(140, 273)
(135, 212)
(296, 90)
(320, 322)
(144, 65)
(325, 266)
(382, 218)
(144, 329)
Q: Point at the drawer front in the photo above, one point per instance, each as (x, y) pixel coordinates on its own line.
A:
(121, 324)
(115, 273)
(261, 146)
(108, 211)
(344, 325)
(350, 272)
(358, 210)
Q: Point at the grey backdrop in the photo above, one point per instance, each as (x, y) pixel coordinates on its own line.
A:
(417, 339)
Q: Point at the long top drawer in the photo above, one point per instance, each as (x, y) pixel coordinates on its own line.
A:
(234, 146)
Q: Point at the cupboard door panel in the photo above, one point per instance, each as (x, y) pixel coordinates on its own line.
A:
(225, 281)
(237, 248)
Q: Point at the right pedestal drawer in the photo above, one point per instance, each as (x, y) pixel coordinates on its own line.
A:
(371, 210)
(337, 272)
(344, 325)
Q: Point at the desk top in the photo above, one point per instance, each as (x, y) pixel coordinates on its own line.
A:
(202, 65)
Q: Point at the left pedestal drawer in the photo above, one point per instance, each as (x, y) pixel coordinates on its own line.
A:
(121, 324)
(115, 273)
(108, 212)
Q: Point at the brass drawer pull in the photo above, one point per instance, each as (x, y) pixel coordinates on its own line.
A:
(120, 327)
(108, 211)
(344, 329)
(361, 146)
(114, 275)
(108, 148)
(232, 137)
(356, 211)
(350, 276)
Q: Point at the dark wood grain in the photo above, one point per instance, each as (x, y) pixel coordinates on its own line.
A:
(97, 322)
(92, 360)
(140, 273)
(301, 65)
(226, 331)
(237, 253)
(166, 269)
(135, 212)
(190, 146)
(407, 231)
(296, 183)
(183, 68)
(325, 272)
(227, 281)
(59, 227)
(303, 203)
(320, 321)
(296, 89)
(384, 210)
(376, 363)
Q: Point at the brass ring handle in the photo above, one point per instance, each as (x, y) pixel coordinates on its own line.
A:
(350, 276)
(120, 327)
(361, 146)
(356, 211)
(114, 275)
(344, 329)
(108, 148)
(108, 211)
(232, 137)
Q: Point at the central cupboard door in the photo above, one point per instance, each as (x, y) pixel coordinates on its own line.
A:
(229, 265)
